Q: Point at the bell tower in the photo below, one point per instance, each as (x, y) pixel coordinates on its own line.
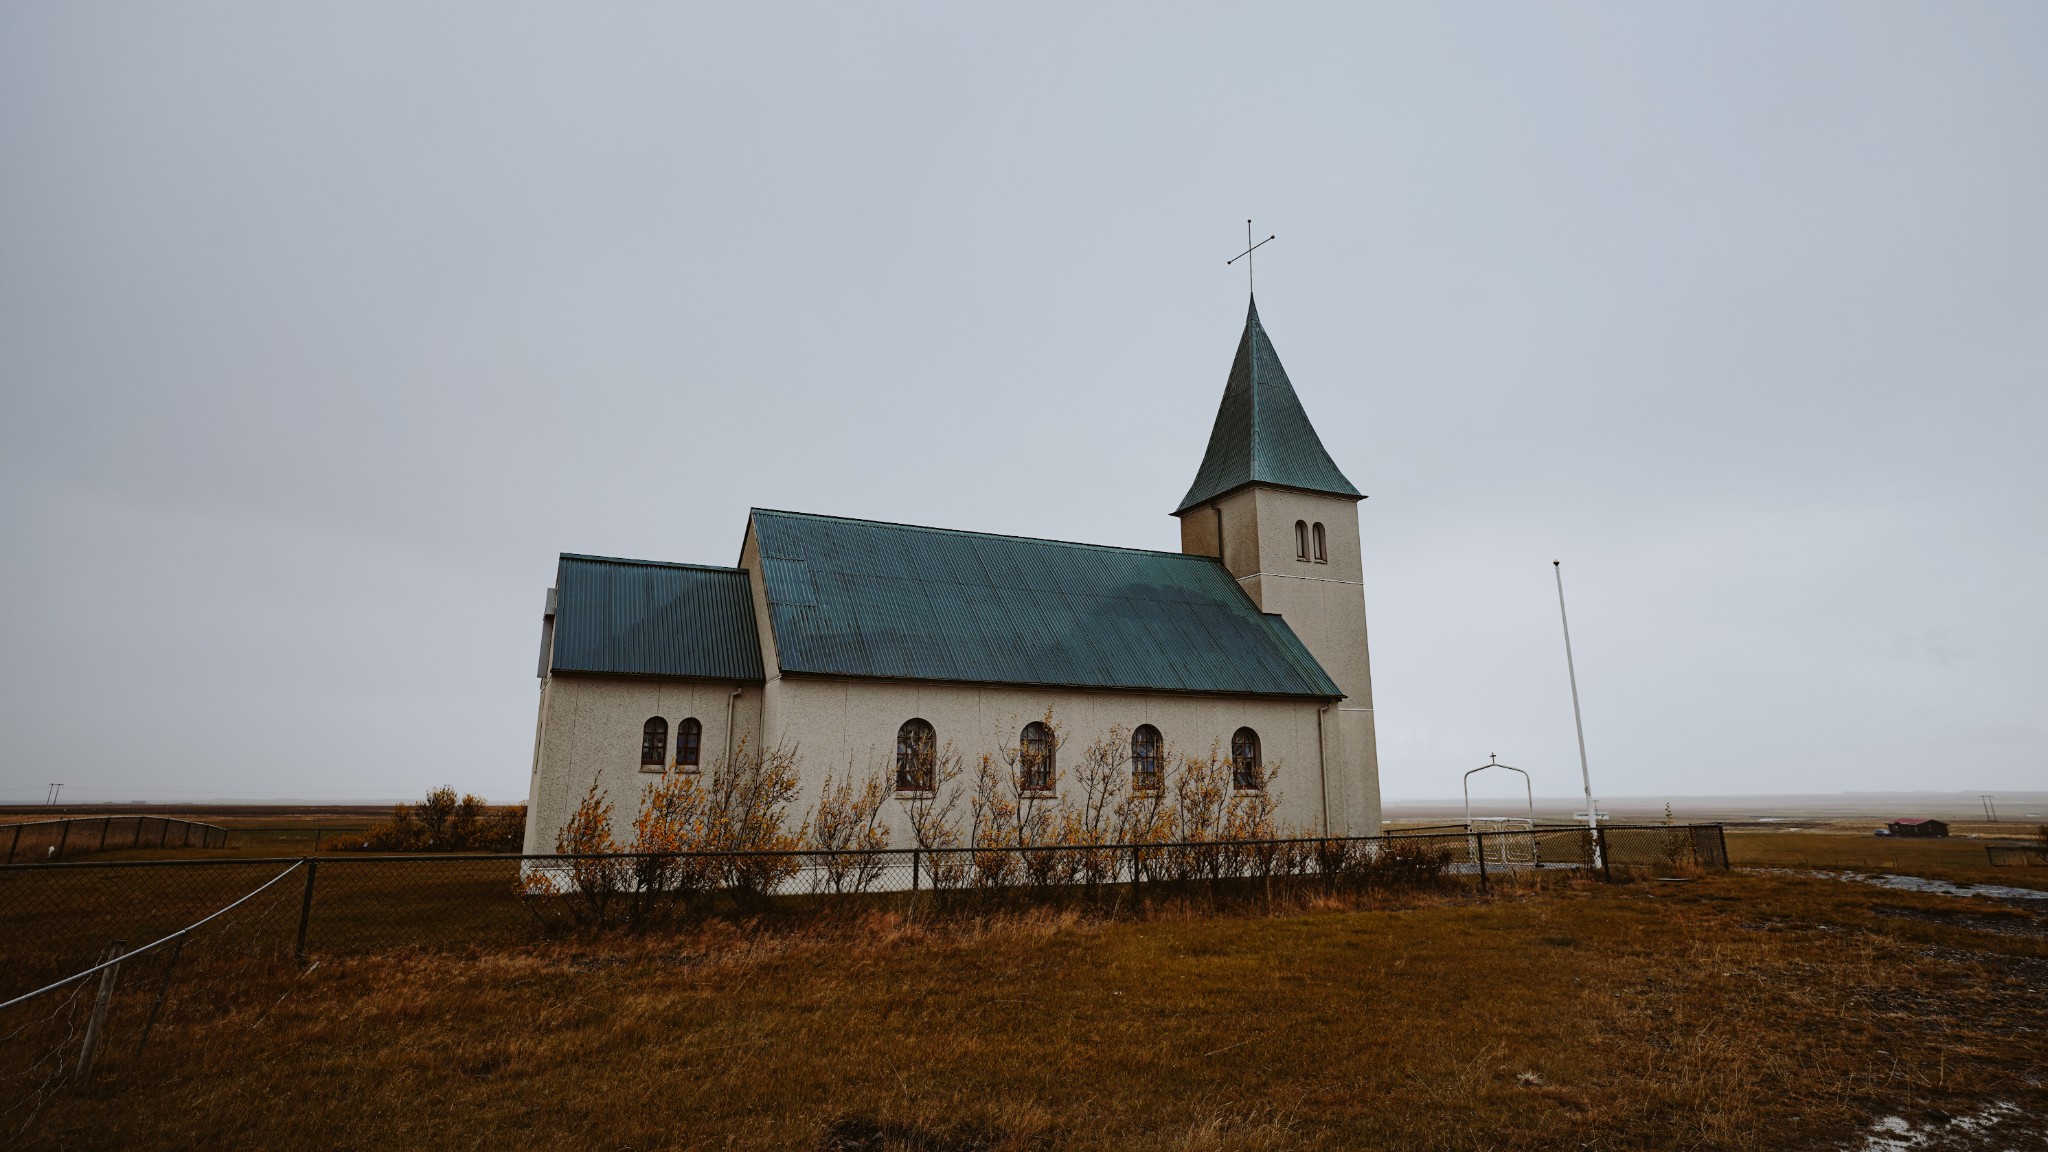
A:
(1277, 511)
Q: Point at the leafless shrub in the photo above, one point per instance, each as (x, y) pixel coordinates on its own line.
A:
(931, 811)
(1401, 863)
(991, 826)
(749, 797)
(1095, 821)
(847, 827)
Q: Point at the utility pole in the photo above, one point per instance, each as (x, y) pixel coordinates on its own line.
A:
(1571, 670)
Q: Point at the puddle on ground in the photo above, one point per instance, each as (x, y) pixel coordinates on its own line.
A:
(1923, 884)
(1938, 1130)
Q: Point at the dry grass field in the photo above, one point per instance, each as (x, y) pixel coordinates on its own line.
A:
(1739, 1011)
(1956, 858)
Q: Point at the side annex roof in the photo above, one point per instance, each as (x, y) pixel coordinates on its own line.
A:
(871, 599)
(646, 618)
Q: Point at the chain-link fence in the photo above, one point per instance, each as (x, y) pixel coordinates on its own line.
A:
(2017, 855)
(57, 918)
(93, 954)
(44, 841)
(99, 1017)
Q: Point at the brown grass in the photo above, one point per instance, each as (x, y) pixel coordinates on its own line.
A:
(1738, 1011)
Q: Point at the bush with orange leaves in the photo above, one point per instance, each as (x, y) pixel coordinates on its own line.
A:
(669, 835)
(444, 823)
(592, 875)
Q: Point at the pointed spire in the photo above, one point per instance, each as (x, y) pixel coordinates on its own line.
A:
(1262, 436)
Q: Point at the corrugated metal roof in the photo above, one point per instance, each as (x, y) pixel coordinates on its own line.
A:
(863, 598)
(1262, 436)
(644, 618)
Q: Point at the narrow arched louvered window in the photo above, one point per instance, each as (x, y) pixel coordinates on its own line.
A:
(1035, 753)
(1322, 552)
(916, 754)
(1301, 539)
(1244, 760)
(654, 743)
(689, 743)
(1147, 753)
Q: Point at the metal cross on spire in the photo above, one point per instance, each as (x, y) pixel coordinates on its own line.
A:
(1246, 256)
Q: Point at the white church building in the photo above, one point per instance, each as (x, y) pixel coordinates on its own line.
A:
(856, 642)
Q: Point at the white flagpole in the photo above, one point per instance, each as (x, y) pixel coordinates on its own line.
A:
(1585, 773)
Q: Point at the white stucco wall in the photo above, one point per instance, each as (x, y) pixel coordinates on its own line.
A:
(590, 729)
(842, 724)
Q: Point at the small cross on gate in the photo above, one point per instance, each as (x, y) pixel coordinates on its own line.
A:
(1246, 256)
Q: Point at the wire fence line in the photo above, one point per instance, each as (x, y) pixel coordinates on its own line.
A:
(57, 917)
(83, 1023)
(117, 959)
(79, 998)
(2020, 855)
(69, 836)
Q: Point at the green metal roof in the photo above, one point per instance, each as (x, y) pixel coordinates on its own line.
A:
(1262, 436)
(643, 618)
(863, 598)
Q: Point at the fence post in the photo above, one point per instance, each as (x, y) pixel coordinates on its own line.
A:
(63, 839)
(162, 988)
(1721, 832)
(305, 909)
(163, 830)
(1606, 856)
(15, 844)
(98, 1022)
(136, 840)
(106, 824)
(1479, 840)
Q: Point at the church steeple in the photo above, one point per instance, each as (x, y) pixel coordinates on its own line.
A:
(1262, 436)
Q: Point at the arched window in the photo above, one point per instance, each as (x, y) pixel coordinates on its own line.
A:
(916, 753)
(1244, 759)
(654, 743)
(1035, 753)
(1147, 752)
(1301, 539)
(689, 743)
(1322, 553)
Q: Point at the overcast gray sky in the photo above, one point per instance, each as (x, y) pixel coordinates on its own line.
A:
(322, 331)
